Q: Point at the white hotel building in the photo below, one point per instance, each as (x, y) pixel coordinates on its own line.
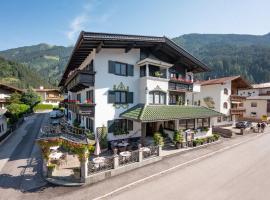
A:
(133, 85)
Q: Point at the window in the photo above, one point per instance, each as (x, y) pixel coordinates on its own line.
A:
(199, 123)
(253, 104)
(190, 123)
(157, 97)
(206, 122)
(120, 124)
(183, 124)
(219, 119)
(253, 114)
(199, 103)
(89, 124)
(89, 96)
(120, 97)
(169, 125)
(121, 69)
(79, 98)
(225, 105)
(142, 71)
(225, 91)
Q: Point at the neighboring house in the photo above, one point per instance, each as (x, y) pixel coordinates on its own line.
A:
(49, 96)
(133, 85)
(221, 95)
(262, 89)
(5, 92)
(257, 107)
(3, 122)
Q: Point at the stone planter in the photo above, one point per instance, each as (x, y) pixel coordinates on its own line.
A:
(77, 173)
(178, 145)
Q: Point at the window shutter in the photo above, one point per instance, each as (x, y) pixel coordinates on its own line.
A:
(110, 126)
(111, 67)
(130, 70)
(130, 97)
(111, 97)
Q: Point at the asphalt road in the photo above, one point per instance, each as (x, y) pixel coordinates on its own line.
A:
(21, 170)
(242, 172)
(239, 173)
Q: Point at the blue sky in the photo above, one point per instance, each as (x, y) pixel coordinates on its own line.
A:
(28, 22)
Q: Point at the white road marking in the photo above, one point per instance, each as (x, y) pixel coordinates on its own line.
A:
(173, 168)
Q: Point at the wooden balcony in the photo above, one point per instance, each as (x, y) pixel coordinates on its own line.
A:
(237, 111)
(180, 87)
(237, 98)
(85, 109)
(79, 80)
(180, 80)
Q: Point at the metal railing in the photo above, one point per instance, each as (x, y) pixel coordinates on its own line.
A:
(99, 167)
(133, 157)
(150, 151)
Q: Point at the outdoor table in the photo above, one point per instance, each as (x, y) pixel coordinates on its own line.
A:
(125, 154)
(55, 155)
(54, 148)
(123, 144)
(145, 149)
(99, 161)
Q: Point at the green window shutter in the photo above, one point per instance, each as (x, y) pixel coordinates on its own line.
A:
(130, 70)
(110, 126)
(129, 97)
(111, 67)
(111, 97)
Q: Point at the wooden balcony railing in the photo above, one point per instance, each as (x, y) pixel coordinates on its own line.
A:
(237, 98)
(237, 111)
(86, 109)
(181, 80)
(182, 87)
(79, 80)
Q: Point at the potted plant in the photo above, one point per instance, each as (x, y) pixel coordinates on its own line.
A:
(77, 172)
(51, 168)
(158, 139)
(178, 139)
(158, 74)
(196, 142)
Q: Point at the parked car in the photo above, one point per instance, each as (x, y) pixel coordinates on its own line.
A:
(56, 114)
(243, 124)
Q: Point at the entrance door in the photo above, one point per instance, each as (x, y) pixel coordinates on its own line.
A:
(150, 128)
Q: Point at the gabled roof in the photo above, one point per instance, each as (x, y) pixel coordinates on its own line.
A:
(88, 41)
(11, 88)
(223, 80)
(148, 113)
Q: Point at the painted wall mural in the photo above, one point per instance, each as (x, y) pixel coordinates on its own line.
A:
(209, 102)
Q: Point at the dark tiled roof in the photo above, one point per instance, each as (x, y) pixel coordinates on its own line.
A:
(88, 41)
(149, 113)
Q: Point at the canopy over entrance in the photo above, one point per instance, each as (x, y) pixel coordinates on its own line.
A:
(152, 113)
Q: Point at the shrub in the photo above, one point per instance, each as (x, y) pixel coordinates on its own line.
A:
(216, 136)
(158, 139)
(177, 137)
(51, 167)
(15, 111)
(43, 107)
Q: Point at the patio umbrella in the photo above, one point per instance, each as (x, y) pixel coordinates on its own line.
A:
(97, 149)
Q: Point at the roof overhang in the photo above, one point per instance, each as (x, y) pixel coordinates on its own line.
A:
(88, 42)
(155, 62)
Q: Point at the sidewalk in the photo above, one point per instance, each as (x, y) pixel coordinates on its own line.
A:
(9, 144)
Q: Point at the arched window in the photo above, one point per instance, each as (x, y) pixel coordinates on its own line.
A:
(225, 105)
(199, 103)
(157, 97)
(189, 77)
(225, 91)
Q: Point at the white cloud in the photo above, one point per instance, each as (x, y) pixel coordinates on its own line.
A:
(88, 17)
(76, 25)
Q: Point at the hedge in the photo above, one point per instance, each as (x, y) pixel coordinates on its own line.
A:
(43, 107)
